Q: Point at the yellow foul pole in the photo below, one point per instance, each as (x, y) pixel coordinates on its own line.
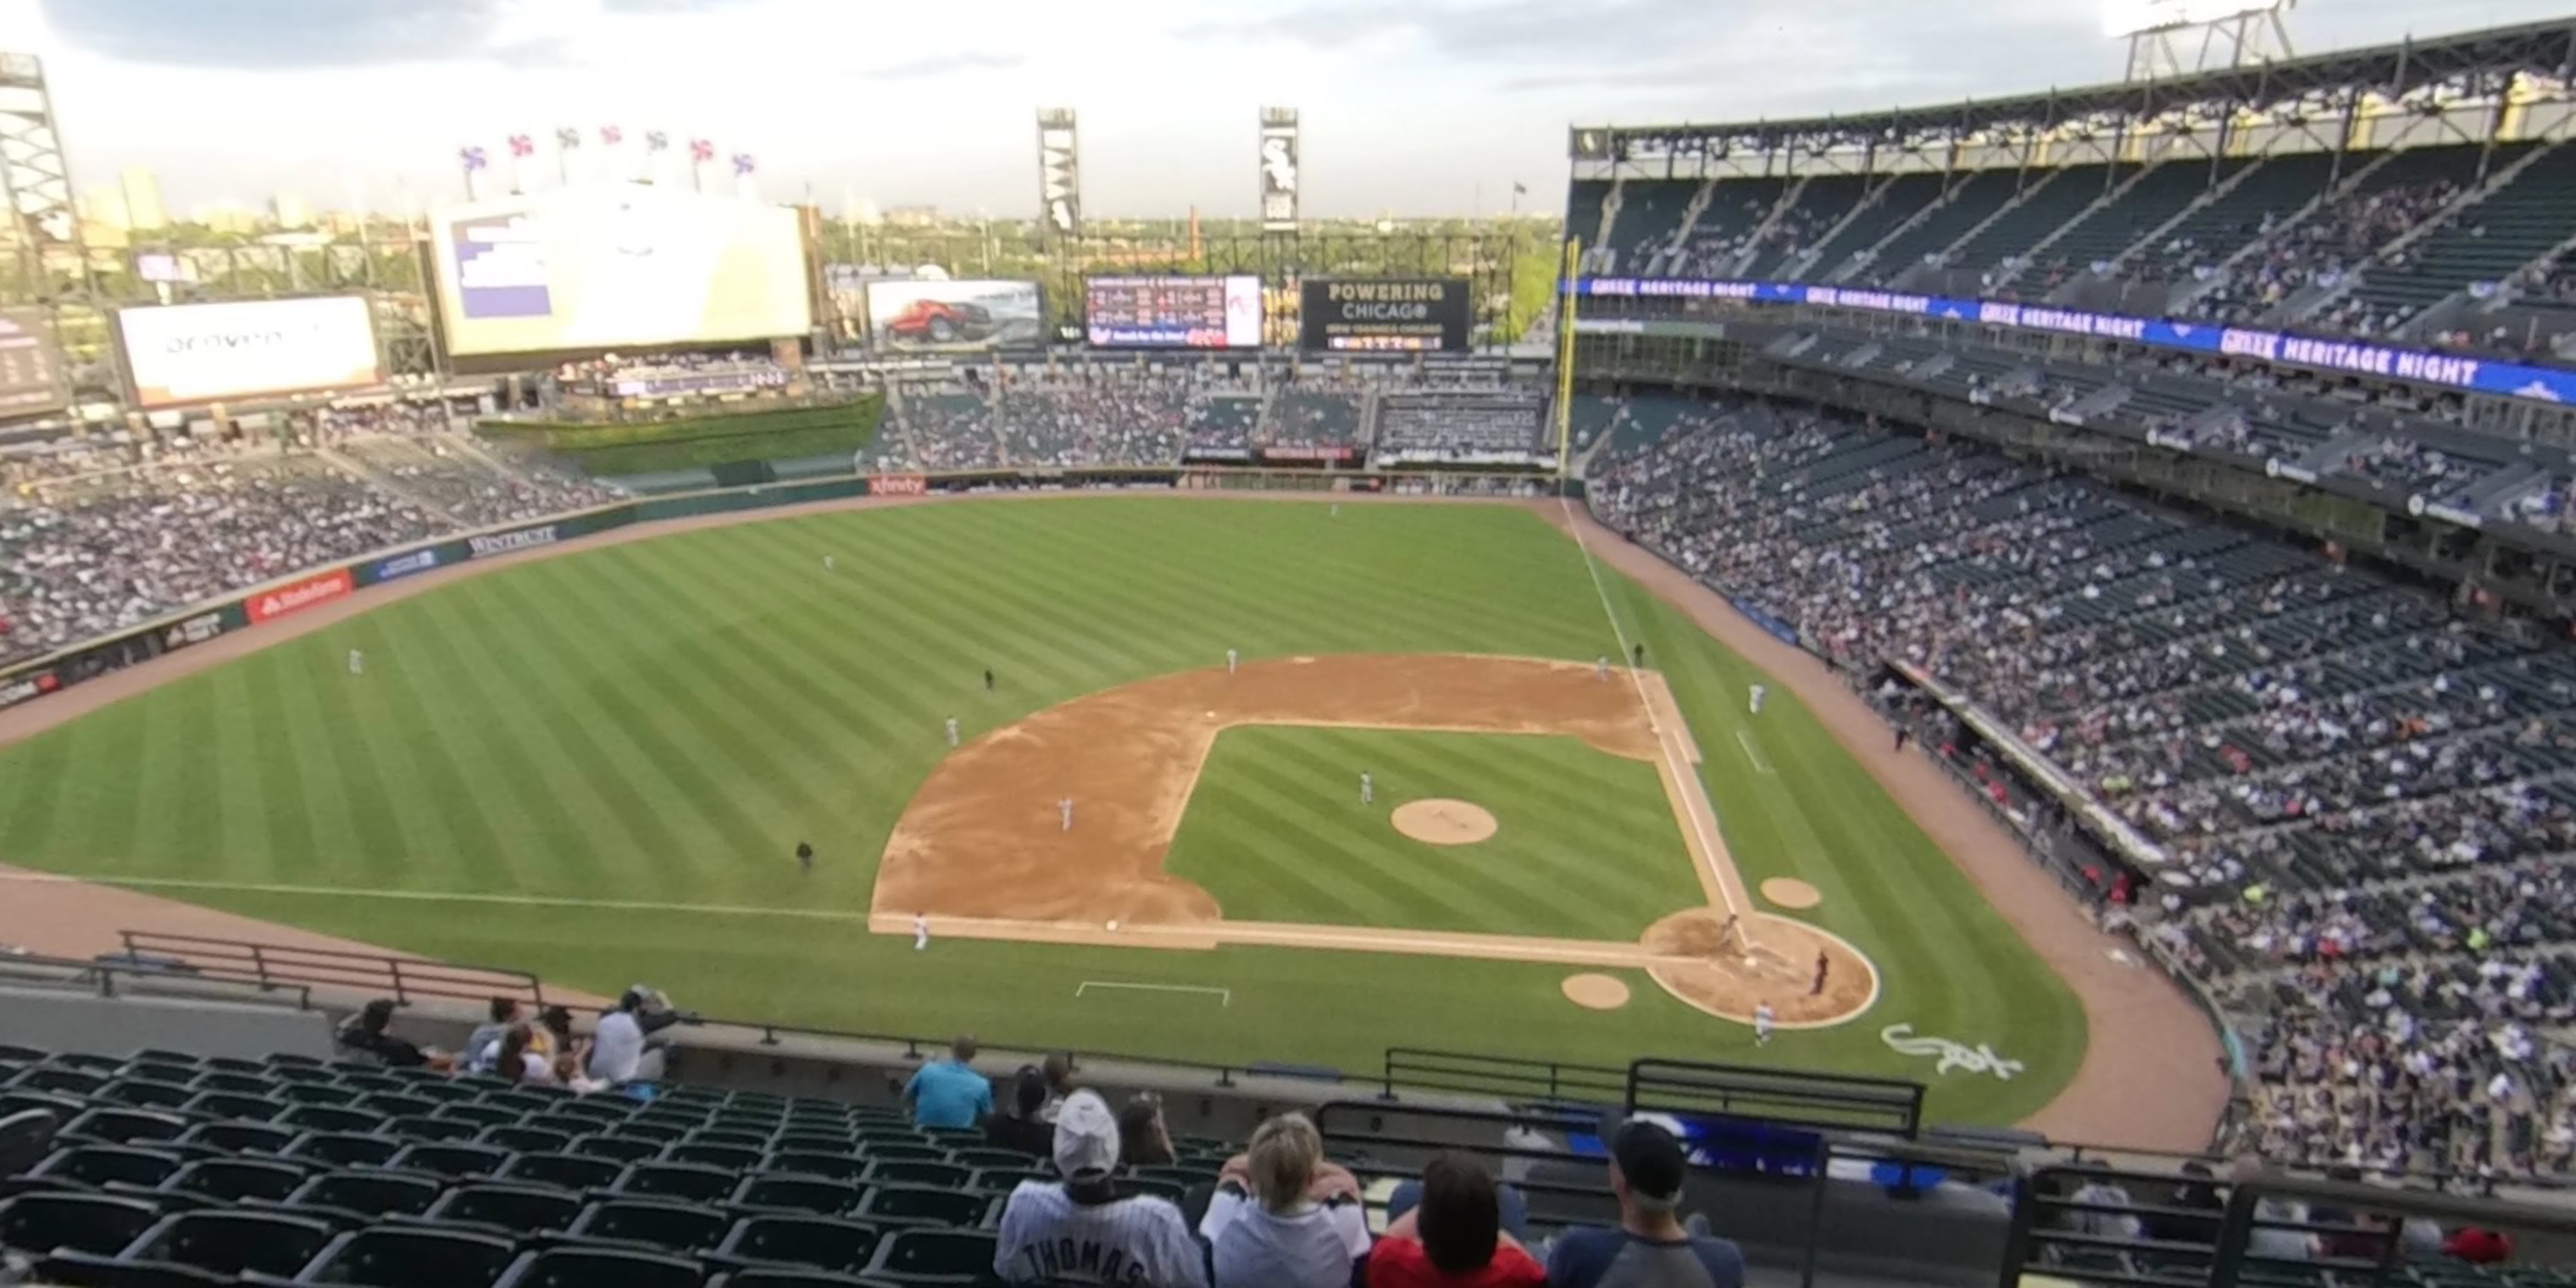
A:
(1565, 358)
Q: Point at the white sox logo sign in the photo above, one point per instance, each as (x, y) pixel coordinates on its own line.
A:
(1982, 1059)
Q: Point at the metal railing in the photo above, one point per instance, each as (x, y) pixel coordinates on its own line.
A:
(271, 966)
(1506, 1077)
(101, 976)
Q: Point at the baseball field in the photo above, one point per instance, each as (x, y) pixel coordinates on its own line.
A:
(598, 765)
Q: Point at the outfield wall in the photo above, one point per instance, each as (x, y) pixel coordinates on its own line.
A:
(292, 594)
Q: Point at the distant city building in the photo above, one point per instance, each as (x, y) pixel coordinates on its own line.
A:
(864, 211)
(104, 207)
(143, 208)
(226, 216)
(289, 210)
(913, 216)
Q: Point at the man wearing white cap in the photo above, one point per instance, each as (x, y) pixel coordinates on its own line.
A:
(1083, 1229)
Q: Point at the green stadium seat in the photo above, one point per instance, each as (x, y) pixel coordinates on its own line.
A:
(923, 1205)
(1003, 1180)
(237, 1084)
(235, 1179)
(143, 1093)
(790, 1192)
(753, 1140)
(422, 1127)
(568, 1171)
(69, 1269)
(393, 1105)
(821, 1142)
(990, 1158)
(660, 1223)
(905, 1153)
(235, 1105)
(638, 1129)
(234, 1242)
(600, 1268)
(786, 1277)
(453, 1160)
(843, 1246)
(1181, 1176)
(397, 1256)
(96, 1165)
(520, 1100)
(687, 1181)
(330, 1118)
(905, 1171)
(126, 1126)
(515, 1211)
(155, 1055)
(345, 1149)
(38, 1223)
(934, 1257)
(525, 1140)
(328, 1095)
(736, 1158)
(177, 1075)
(477, 1113)
(841, 1167)
(59, 1078)
(618, 1148)
(371, 1081)
(371, 1192)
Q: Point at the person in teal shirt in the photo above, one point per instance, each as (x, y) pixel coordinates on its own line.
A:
(946, 1093)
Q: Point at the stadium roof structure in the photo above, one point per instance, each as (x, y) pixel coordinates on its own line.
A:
(2430, 74)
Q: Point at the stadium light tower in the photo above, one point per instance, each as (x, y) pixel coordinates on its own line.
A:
(2169, 38)
(41, 233)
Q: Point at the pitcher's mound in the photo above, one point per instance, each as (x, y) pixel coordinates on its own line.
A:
(1598, 992)
(1445, 822)
(1790, 892)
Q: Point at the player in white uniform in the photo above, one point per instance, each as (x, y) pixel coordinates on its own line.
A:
(831, 563)
(357, 662)
(1368, 789)
(1758, 691)
(920, 932)
(1065, 807)
(1601, 667)
(1762, 1024)
(952, 731)
(1232, 660)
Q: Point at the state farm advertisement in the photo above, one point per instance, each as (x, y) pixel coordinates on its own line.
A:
(201, 353)
(295, 597)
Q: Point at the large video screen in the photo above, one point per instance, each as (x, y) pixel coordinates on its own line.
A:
(31, 367)
(953, 316)
(1173, 312)
(1385, 314)
(618, 264)
(200, 353)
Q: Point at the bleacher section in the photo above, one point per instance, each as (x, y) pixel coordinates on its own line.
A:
(2052, 200)
(1463, 427)
(2489, 242)
(1975, 198)
(1311, 416)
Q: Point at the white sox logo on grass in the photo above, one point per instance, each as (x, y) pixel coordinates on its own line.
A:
(1981, 1059)
(268, 606)
(504, 542)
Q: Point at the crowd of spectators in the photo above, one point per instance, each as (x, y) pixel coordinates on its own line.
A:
(627, 1044)
(101, 536)
(2344, 235)
(2359, 796)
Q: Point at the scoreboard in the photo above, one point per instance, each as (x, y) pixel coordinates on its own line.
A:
(32, 376)
(1173, 312)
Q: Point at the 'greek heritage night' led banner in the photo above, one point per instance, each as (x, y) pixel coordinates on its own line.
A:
(2449, 370)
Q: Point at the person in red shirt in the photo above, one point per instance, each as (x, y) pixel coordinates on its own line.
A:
(1454, 1239)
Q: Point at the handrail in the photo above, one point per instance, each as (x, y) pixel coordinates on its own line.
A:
(104, 973)
(282, 965)
(1601, 1084)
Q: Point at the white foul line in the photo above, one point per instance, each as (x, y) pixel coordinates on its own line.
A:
(1760, 766)
(1224, 996)
(1693, 798)
(429, 896)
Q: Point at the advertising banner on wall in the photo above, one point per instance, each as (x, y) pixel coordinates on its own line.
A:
(952, 317)
(295, 597)
(1280, 179)
(1385, 315)
(1173, 312)
(199, 353)
(33, 379)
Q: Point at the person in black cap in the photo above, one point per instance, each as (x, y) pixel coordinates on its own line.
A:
(1650, 1249)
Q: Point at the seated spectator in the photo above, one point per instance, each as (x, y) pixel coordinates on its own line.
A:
(516, 1063)
(621, 1049)
(1282, 1215)
(1456, 1237)
(483, 1045)
(947, 1093)
(2201, 1208)
(1651, 1248)
(364, 1035)
(1058, 1067)
(1083, 1228)
(1143, 1141)
(1023, 1129)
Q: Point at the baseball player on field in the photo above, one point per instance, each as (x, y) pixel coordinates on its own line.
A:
(1762, 1023)
(920, 932)
(1601, 667)
(1064, 807)
(1368, 789)
(1232, 660)
(952, 731)
(1758, 692)
(357, 662)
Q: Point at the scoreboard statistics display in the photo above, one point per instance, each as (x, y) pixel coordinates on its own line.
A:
(1384, 315)
(1173, 312)
(31, 368)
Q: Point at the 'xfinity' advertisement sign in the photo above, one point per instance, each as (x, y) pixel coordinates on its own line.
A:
(2450, 370)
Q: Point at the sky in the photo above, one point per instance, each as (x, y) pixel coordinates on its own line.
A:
(1410, 107)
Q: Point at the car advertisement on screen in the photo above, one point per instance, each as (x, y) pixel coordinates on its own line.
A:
(202, 353)
(617, 265)
(953, 317)
(1173, 312)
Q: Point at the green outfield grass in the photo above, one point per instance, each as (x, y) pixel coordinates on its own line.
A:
(596, 766)
(1275, 830)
